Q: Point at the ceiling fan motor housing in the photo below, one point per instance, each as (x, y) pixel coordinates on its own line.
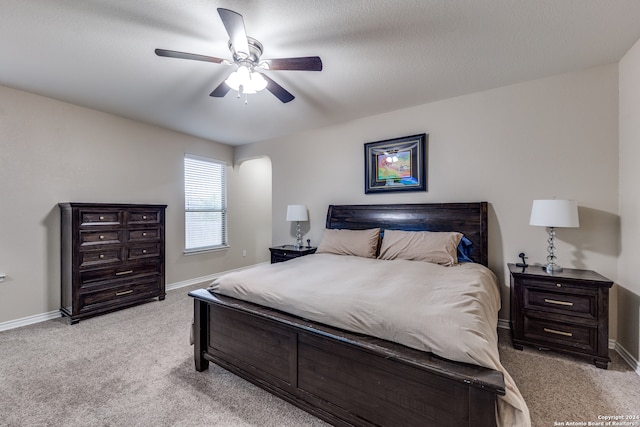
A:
(255, 52)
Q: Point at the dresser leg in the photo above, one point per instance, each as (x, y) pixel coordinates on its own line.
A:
(601, 364)
(518, 346)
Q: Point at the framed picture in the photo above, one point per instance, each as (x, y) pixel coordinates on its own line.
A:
(396, 165)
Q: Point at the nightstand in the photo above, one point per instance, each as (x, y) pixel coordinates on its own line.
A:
(287, 252)
(566, 311)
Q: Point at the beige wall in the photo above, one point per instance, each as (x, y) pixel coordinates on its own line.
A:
(629, 291)
(556, 136)
(52, 152)
(551, 137)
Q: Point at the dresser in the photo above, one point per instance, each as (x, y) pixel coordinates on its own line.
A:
(112, 256)
(566, 311)
(286, 252)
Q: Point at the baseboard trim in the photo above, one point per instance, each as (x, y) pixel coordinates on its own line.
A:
(29, 320)
(624, 353)
(504, 324)
(194, 281)
(209, 278)
(37, 318)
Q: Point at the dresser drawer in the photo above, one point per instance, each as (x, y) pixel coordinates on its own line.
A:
(577, 304)
(558, 334)
(92, 217)
(88, 238)
(143, 251)
(144, 234)
(124, 272)
(137, 217)
(131, 292)
(100, 257)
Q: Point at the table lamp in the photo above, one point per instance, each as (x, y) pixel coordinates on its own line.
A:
(297, 213)
(551, 214)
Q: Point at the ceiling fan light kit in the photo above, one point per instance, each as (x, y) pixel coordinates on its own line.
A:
(246, 52)
(246, 81)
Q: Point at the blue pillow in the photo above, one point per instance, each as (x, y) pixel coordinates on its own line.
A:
(465, 249)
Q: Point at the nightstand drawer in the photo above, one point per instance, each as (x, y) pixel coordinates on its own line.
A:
(284, 256)
(560, 334)
(574, 304)
(287, 252)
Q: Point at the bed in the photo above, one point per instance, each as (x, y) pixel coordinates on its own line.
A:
(337, 372)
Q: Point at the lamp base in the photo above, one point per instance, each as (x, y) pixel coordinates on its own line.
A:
(552, 267)
(298, 244)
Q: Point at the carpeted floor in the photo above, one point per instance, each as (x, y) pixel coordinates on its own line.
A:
(134, 367)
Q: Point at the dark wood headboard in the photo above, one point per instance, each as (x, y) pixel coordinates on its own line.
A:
(467, 218)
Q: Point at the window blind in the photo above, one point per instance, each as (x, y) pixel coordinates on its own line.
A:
(205, 209)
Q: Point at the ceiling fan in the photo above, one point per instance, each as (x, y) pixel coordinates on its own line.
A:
(246, 52)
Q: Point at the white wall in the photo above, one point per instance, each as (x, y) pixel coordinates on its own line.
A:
(629, 291)
(53, 152)
(556, 136)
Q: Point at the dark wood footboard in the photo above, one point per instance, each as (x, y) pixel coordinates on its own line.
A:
(343, 378)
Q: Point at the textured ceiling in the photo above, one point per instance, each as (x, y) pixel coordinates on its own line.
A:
(378, 55)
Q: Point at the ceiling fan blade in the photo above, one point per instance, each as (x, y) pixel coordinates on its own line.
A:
(281, 93)
(234, 24)
(184, 55)
(307, 63)
(221, 90)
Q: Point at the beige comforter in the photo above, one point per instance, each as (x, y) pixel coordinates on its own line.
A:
(450, 311)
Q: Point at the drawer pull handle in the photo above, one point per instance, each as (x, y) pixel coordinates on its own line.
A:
(101, 237)
(101, 218)
(130, 291)
(559, 285)
(144, 251)
(553, 331)
(144, 234)
(556, 302)
(101, 256)
(144, 217)
(120, 273)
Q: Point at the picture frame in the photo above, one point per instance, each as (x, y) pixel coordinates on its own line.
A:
(397, 164)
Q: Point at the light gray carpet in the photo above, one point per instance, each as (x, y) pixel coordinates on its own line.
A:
(560, 388)
(134, 367)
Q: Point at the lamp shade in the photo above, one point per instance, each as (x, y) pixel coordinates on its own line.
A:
(554, 213)
(297, 213)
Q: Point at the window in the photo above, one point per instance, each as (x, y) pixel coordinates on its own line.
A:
(205, 205)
